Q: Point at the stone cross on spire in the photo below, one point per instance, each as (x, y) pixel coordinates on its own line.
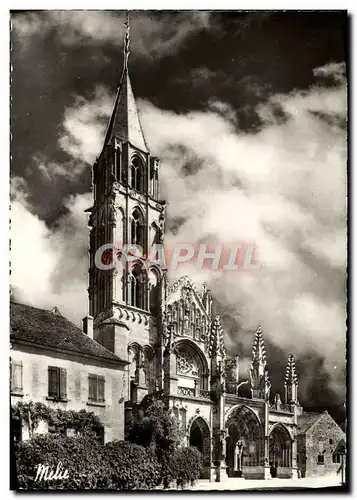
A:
(126, 41)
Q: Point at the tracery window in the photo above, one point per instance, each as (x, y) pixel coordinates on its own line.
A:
(137, 177)
(137, 288)
(153, 283)
(137, 229)
(186, 365)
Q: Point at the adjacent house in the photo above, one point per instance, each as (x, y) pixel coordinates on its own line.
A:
(318, 437)
(54, 362)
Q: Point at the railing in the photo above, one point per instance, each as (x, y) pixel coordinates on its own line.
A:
(186, 391)
(280, 407)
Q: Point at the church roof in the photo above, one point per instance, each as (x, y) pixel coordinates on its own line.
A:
(49, 329)
(307, 420)
(125, 123)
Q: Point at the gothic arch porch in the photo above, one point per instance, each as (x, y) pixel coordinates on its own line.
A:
(199, 437)
(245, 444)
(280, 451)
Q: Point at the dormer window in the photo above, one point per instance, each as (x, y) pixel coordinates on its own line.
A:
(137, 175)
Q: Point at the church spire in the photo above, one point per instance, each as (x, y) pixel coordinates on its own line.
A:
(258, 351)
(124, 123)
(216, 340)
(291, 381)
(259, 379)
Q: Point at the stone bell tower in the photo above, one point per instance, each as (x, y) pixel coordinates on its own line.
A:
(125, 297)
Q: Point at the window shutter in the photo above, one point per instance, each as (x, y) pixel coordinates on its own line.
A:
(16, 375)
(92, 388)
(63, 383)
(101, 382)
(52, 381)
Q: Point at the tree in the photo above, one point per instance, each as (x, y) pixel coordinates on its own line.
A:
(156, 428)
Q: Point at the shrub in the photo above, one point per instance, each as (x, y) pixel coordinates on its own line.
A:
(82, 456)
(183, 467)
(82, 421)
(131, 467)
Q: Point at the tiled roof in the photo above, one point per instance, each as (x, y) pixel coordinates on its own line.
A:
(306, 420)
(50, 329)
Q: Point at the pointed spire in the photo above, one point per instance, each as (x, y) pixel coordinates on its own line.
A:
(291, 382)
(216, 340)
(125, 123)
(291, 376)
(258, 351)
(259, 378)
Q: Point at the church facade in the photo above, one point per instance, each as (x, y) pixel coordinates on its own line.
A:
(167, 333)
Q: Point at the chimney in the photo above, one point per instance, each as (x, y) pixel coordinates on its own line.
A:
(88, 326)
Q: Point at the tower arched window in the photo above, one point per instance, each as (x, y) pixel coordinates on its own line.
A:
(137, 285)
(137, 175)
(153, 283)
(137, 229)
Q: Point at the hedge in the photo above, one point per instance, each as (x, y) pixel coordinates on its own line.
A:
(82, 456)
(181, 468)
(118, 465)
(131, 467)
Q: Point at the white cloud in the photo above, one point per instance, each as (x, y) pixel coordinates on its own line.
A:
(84, 127)
(48, 266)
(284, 189)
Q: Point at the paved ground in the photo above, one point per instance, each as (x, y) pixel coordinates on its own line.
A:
(249, 484)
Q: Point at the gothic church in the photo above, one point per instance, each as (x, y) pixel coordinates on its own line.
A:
(166, 332)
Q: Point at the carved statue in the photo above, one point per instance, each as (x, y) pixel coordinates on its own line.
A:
(277, 401)
(223, 444)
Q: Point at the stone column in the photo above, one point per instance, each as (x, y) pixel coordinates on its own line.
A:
(266, 441)
(236, 458)
(294, 472)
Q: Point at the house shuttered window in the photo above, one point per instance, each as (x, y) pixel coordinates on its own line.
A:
(336, 459)
(57, 382)
(16, 376)
(96, 388)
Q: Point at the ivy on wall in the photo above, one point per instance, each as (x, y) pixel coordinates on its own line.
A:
(33, 413)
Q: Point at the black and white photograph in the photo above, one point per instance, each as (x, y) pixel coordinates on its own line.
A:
(178, 250)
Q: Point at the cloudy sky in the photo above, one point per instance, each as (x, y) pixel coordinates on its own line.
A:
(247, 112)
